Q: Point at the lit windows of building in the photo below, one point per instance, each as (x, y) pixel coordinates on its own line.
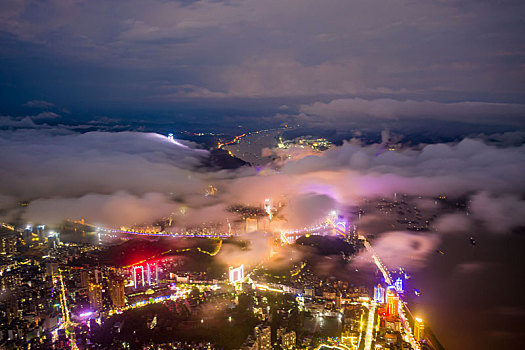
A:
(10, 280)
(287, 339)
(419, 329)
(8, 245)
(263, 334)
(116, 291)
(95, 295)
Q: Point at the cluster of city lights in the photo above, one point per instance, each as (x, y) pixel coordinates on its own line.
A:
(397, 286)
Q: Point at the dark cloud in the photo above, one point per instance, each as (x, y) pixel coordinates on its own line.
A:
(343, 111)
(506, 139)
(127, 53)
(13, 122)
(28, 122)
(45, 115)
(39, 104)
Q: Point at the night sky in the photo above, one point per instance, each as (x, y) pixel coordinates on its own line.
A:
(223, 63)
(88, 89)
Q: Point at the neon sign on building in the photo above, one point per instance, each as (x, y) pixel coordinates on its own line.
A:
(398, 285)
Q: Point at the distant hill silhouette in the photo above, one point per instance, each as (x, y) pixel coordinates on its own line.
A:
(221, 159)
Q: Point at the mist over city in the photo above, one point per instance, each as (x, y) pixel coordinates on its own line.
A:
(194, 174)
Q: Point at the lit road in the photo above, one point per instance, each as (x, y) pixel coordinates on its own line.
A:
(65, 312)
(370, 326)
(379, 264)
(236, 139)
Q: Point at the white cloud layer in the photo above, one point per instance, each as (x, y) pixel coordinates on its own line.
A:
(65, 173)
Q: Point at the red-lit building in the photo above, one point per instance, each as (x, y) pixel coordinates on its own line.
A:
(392, 301)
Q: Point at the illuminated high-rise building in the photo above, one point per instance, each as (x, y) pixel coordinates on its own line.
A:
(250, 344)
(41, 232)
(84, 279)
(27, 235)
(287, 340)
(419, 329)
(152, 273)
(95, 295)
(263, 334)
(117, 295)
(8, 244)
(53, 240)
(379, 294)
(10, 280)
(392, 301)
(138, 278)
